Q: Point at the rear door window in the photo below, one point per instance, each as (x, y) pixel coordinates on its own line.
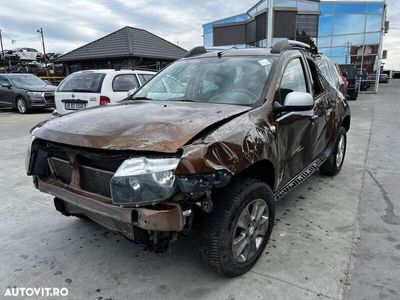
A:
(125, 83)
(316, 83)
(145, 77)
(83, 83)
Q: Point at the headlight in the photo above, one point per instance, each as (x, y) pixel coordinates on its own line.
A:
(28, 154)
(34, 93)
(142, 181)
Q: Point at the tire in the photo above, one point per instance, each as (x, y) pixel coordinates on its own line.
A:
(354, 96)
(334, 163)
(227, 223)
(21, 105)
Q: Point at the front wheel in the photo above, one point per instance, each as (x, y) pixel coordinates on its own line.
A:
(334, 163)
(237, 231)
(21, 105)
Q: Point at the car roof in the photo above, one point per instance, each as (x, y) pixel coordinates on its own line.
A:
(235, 52)
(113, 71)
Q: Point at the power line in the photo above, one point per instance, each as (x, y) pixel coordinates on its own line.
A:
(13, 41)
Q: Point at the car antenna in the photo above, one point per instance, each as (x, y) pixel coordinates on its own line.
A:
(219, 54)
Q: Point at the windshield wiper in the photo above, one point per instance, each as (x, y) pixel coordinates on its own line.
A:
(139, 98)
(183, 100)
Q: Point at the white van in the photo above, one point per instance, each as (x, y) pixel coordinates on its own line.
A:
(90, 88)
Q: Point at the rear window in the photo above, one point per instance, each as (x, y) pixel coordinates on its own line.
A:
(82, 82)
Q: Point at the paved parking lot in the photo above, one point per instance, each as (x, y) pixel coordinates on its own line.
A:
(334, 238)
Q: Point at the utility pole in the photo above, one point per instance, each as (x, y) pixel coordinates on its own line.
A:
(348, 54)
(2, 52)
(270, 23)
(44, 50)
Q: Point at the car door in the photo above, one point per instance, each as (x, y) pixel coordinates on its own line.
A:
(6, 93)
(296, 131)
(322, 108)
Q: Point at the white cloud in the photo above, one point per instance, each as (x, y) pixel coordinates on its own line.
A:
(73, 23)
(70, 24)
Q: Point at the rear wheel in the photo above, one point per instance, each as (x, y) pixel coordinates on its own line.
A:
(354, 95)
(334, 163)
(238, 229)
(21, 105)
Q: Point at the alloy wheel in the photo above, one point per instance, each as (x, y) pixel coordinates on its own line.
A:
(250, 230)
(21, 106)
(340, 151)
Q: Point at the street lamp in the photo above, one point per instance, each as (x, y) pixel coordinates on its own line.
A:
(348, 44)
(44, 50)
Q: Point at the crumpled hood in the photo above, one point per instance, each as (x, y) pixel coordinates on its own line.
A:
(158, 126)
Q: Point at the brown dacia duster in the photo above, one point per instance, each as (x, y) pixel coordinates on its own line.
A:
(210, 143)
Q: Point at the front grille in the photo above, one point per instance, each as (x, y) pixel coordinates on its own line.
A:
(95, 180)
(90, 179)
(49, 97)
(94, 167)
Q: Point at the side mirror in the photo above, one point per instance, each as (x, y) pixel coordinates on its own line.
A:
(132, 91)
(6, 85)
(295, 101)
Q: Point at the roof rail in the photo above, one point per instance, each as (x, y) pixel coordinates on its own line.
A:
(120, 68)
(297, 44)
(144, 69)
(195, 51)
(280, 46)
(290, 44)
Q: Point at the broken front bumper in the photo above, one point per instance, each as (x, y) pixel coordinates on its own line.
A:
(167, 216)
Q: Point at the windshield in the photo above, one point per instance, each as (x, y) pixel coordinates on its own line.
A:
(228, 80)
(82, 82)
(26, 80)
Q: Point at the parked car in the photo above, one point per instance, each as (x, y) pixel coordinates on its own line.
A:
(332, 73)
(29, 54)
(349, 71)
(8, 55)
(238, 130)
(345, 86)
(25, 92)
(383, 78)
(84, 89)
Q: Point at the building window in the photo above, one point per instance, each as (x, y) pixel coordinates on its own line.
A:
(307, 25)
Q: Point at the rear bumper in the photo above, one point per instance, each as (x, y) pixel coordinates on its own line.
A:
(167, 216)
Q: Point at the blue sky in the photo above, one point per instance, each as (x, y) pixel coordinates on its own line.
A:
(70, 24)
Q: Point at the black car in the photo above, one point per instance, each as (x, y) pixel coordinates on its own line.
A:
(383, 78)
(25, 92)
(350, 73)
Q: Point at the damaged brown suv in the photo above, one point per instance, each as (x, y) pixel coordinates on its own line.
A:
(209, 143)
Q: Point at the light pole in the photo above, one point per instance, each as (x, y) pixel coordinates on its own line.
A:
(44, 50)
(270, 22)
(348, 44)
(2, 52)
